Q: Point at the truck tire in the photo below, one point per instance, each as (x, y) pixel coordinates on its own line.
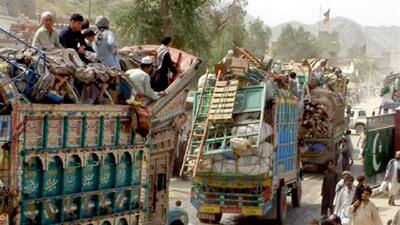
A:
(297, 194)
(360, 128)
(281, 208)
(177, 223)
(216, 220)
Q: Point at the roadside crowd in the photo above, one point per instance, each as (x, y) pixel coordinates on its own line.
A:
(344, 203)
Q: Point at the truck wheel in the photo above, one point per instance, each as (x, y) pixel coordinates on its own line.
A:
(216, 219)
(296, 194)
(281, 204)
(360, 128)
(177, 223)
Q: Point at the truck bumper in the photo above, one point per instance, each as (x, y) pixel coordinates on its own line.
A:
(217, 209)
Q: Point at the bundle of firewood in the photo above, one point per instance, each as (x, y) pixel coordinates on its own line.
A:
(321, 113)
(317, 121)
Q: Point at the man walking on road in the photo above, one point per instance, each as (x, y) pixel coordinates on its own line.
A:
(331, 178)
(392, 176)
(364, 212)
(344, 200)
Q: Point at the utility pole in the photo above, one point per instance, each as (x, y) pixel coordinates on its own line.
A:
(320, 21)
(369, 79)
(90, 8)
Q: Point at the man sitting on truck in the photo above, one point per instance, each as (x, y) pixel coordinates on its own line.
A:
(46, 37)
(71, 36)
(141, 83)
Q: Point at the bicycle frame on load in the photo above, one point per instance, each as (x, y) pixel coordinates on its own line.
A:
(215, 193)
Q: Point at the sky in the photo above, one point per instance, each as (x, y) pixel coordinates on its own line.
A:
(365, 12)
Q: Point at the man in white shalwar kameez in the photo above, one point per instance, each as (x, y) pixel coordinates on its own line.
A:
(341, 185)
(393, 177)
(141, 83)
(344, 200)
(365, 212)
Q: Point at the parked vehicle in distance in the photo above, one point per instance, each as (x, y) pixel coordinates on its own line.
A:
(358, 120)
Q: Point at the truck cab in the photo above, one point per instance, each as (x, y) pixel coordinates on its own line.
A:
(358, 120)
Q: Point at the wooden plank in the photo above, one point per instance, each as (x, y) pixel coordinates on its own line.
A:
(221, 111)
(223, 105)
(222, 100)
(221, 83)
(220, 116)
(223, 121)
(224, 83)
(225, 89)
(224, 95)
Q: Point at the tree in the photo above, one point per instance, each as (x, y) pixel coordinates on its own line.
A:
(228, 29)
(295, 44)
(196, 26)
(147, 21)
(258, 37)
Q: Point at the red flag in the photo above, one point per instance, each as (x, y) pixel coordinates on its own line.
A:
(326, 15)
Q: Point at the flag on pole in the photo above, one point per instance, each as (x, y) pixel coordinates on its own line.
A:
(326, 15)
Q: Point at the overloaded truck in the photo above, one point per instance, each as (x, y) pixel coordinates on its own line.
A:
(242, 150)
(64, 162)
(322, 119)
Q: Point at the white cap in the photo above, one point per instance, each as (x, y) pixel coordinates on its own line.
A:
(147, 60)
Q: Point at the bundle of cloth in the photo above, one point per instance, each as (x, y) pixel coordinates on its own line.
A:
(251, 153)
(60, 77)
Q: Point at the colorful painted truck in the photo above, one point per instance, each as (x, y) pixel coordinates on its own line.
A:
(68, 164)
(242, 151)
(85, 164)
(381, 142)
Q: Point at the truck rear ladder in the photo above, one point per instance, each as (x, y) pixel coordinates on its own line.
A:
(215, 106)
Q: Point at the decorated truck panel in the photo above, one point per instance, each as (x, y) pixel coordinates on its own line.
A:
(379, 145)
(75, 163)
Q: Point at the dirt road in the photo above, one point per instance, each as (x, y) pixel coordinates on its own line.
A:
(310, 208)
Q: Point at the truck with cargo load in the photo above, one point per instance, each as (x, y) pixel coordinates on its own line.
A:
(242, 151)
(86, 164)
(382, 137)
(322, 120)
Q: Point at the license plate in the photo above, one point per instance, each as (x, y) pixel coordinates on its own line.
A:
(210, 209)
(252, 211)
